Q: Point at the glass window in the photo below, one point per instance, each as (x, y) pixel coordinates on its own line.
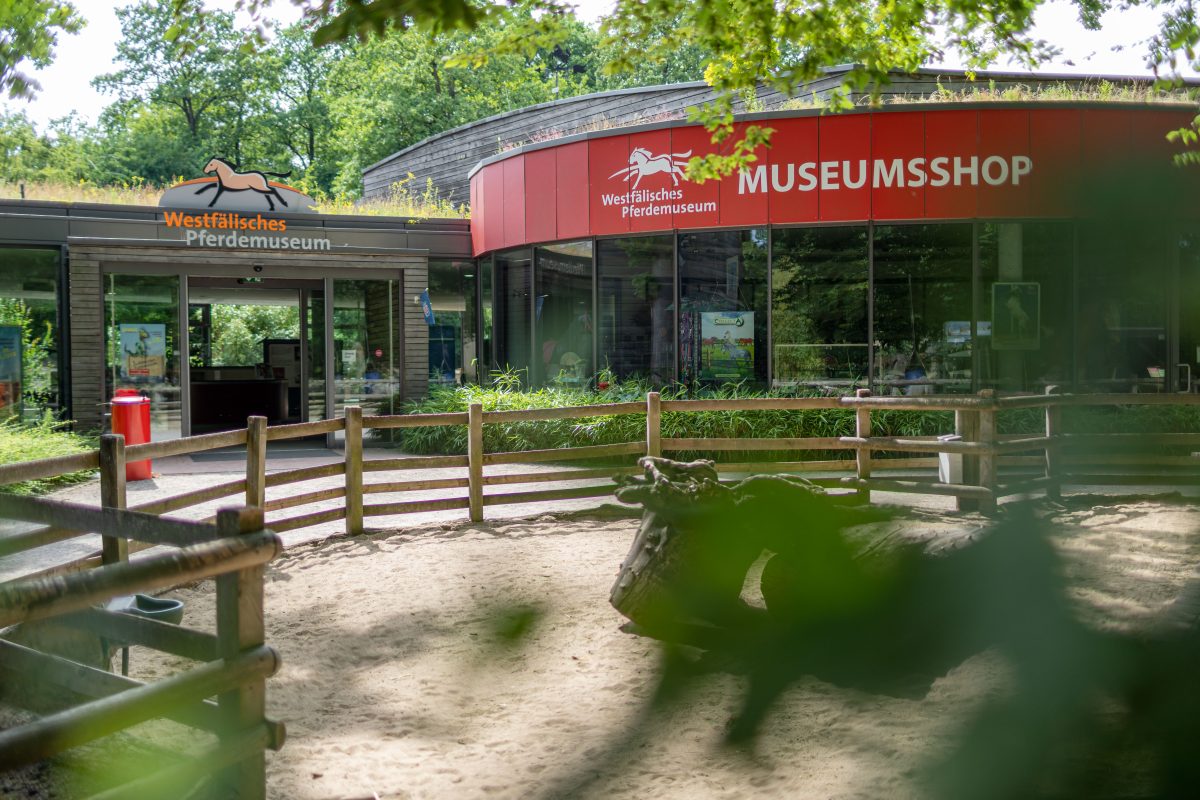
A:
(723, 307)
(487, 353)
(448, 296)
(514, 276)
(819, 311)
(636, 307)
(1121, 332)
(366, 347)
(142, 324)
(923, 309)
(1024, 325)
(29, 332)
(563, 314)
(471, 357)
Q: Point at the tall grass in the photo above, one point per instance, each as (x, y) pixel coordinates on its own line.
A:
(44, 439)
(405, 198)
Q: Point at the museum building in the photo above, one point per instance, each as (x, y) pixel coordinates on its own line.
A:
(917, 247)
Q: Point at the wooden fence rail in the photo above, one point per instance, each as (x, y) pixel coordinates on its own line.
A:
(874, 462)
(235, 662)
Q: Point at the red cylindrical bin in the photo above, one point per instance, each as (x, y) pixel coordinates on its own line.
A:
(131, 418)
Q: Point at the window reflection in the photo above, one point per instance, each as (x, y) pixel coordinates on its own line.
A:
(819, 313)
(1121, 332)
(513, 278)
(1024, 328)
(563, 315)
(923, 308)
(723, 307)
(637, 308)
(29, 332)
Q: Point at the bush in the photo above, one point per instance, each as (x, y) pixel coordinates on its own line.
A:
(44, 439)
(554, 434)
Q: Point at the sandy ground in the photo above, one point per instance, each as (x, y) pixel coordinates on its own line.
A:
(395, 684)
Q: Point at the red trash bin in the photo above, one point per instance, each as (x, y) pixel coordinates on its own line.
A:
(131, 418)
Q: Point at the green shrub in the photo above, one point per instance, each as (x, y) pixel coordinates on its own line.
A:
(552, 434)
(44, 439)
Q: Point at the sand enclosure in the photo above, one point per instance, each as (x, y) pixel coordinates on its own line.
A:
(395, 682)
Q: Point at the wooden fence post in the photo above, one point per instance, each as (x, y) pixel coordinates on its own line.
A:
(256, 462)
(475, 460)
(862, 456)
(239, 628)
(1053, 448)
(354, 470)
(966, 425)
(113, 549)
(987, 461)
(653, 424)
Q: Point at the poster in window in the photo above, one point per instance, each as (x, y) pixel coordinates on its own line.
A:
(10, 370)
(143, 351)
(726, 346)
(1016, 316)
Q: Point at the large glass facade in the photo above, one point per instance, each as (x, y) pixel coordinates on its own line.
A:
(906, 309)
(29, 332)
(923, 309)
(142, 330)
(820, 308)
(563, 315)
(513, 281)
(723, 307)
(636, 301)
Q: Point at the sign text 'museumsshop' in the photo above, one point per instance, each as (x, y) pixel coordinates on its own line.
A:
(886, 173)
(224, 229)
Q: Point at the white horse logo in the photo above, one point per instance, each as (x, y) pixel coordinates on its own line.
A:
(642, 163)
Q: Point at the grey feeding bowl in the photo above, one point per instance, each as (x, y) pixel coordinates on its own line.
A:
(143, 605)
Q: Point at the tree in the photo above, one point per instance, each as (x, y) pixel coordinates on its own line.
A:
(749, 43)
(29, 30)
(194, 73)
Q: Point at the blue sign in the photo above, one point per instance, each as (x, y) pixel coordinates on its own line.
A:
(427, 307)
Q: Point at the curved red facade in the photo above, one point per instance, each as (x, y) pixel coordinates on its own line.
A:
(922, 162)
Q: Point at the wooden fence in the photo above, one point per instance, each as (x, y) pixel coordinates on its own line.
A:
(1041, 461)
(235, 662)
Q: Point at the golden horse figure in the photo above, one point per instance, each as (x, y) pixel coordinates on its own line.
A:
(230, 180)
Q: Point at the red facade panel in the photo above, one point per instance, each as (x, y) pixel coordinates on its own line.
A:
(698, 207)
(541, 199)
(952, 163)
(514, 201)
(844, 174)
(1005, 163)
(742, 202)
(492, 180)
(1054, 148)
(790, 171)
(571, 165)
(608, 164)
(477, 212)
(898, 178)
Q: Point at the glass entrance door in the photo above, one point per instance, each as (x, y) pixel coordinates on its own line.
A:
(367, 359)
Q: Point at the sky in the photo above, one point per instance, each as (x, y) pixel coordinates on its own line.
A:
(79, 58)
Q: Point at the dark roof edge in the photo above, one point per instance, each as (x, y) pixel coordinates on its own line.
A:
(813, 112)
(662, 87)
